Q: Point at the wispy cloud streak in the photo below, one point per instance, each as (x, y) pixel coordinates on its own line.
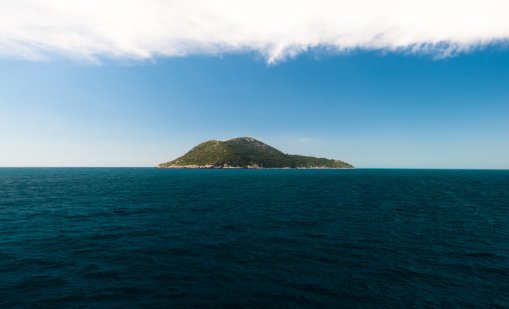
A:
(144, 29)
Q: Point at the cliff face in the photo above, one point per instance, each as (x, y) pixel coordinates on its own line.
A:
(246, 152)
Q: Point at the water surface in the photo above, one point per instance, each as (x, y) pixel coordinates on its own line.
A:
(256, 238)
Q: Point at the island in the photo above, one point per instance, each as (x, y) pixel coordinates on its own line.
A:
(246, 152)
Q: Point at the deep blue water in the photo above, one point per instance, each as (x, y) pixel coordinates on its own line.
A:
(253, 238)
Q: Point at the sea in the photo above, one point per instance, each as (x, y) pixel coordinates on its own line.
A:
(235, 238)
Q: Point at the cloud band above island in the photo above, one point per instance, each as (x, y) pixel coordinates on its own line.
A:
(139, 30)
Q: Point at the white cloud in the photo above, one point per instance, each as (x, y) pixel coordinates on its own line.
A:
(144, 29)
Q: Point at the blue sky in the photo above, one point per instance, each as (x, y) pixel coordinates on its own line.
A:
(393, 83)
(369, 108)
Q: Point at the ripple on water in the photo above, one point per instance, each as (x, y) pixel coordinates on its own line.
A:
(253, 238)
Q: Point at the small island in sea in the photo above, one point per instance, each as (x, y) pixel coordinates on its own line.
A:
(246, 152)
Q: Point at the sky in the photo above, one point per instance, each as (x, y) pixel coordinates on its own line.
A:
(138, 83)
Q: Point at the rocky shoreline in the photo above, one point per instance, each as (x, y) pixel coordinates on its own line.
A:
(248, 167)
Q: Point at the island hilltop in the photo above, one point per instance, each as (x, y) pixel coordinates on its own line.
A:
(246, 152)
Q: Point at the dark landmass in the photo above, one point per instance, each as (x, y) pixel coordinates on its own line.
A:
(246, 152)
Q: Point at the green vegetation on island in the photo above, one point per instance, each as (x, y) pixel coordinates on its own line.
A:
(246, 152)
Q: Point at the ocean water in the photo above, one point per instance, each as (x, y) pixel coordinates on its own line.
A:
(253, 238)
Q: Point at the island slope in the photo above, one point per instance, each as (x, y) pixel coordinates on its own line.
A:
(246, 152)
